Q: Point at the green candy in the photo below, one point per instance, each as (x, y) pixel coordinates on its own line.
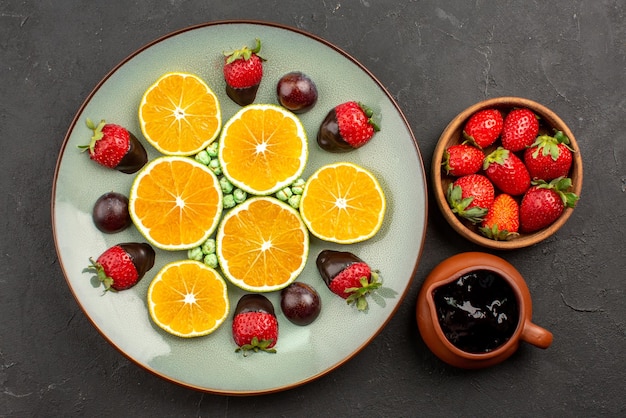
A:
(215, 166)
(239, 195)
(203, 157)
(284, 194)
(229, 201)
(227, 186)
(211, 260)
(294, 201)
(195, 254)
(212, 149)
(209, 246)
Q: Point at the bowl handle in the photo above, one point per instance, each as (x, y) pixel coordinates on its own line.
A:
(535, 335)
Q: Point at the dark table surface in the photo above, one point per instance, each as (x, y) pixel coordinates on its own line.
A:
(435, 58)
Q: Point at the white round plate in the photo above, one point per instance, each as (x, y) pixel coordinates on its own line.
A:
(303, 353)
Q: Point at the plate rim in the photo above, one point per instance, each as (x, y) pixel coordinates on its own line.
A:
(172, 34)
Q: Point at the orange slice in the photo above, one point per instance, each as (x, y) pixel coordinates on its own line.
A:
(262, 245)
(343, 203)
(188, 299)
(263, 148)
(175, 202)
(179, 114)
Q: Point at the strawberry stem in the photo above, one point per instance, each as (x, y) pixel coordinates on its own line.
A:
(97, 134)
(459, 206)
(560, 185)
(358, 294)
(255, 346)
(244, 52)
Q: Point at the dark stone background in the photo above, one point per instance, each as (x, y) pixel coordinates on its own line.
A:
(435, 58)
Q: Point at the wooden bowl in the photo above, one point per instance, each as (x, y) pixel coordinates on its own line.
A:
(549, 122)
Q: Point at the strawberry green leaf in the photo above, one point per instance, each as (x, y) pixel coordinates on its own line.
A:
(460, 206)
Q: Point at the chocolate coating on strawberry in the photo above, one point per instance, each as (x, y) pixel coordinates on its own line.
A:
(135, 158)
(141, 254)
(330, 263)
(328, 136)
(254, 302)
(243, 96)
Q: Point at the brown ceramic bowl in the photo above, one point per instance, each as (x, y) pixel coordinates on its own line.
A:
(453, 134)
(451, 270)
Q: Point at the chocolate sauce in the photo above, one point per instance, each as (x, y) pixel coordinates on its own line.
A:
(142, 256)
(330, 263)
(135, 158)
(254, 302)
(242, 97)
(478, 312)
(328, 136)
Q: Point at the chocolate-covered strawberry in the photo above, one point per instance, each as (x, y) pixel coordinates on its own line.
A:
(347, 126)
(255, 327)
(114, 146)
(347, 276)
(243, 71)
(123, 265)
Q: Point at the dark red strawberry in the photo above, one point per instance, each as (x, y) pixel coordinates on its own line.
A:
(462, 159)
(549, 157)
(471, 196)
(113, 146)
(507, 172)
(520, 129)
(502, 220)
(483, 127)
(544, 202)
(123, 265)
(243, 71)
(347, 126)
(347, 276)
(255, 327)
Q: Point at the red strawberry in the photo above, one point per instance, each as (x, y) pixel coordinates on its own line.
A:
(483, 127)
(243, 71)
(502, 220)
(507, 171)
(471, 196)
(549, 157)
(123, 265)
(347, 126)
(544, 203)
(113, 146)
(520, 129)
(347, 276)
(462, 159)
(255, 327)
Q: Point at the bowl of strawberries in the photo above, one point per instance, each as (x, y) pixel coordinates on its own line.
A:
(507, 173)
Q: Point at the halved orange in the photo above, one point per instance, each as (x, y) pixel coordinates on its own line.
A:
(262, 245)
(175, 202)
(343, 203)
(179, 114)
(263, 148)
(188, 299)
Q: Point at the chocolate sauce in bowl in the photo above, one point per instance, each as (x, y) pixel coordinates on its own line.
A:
(478, 312)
